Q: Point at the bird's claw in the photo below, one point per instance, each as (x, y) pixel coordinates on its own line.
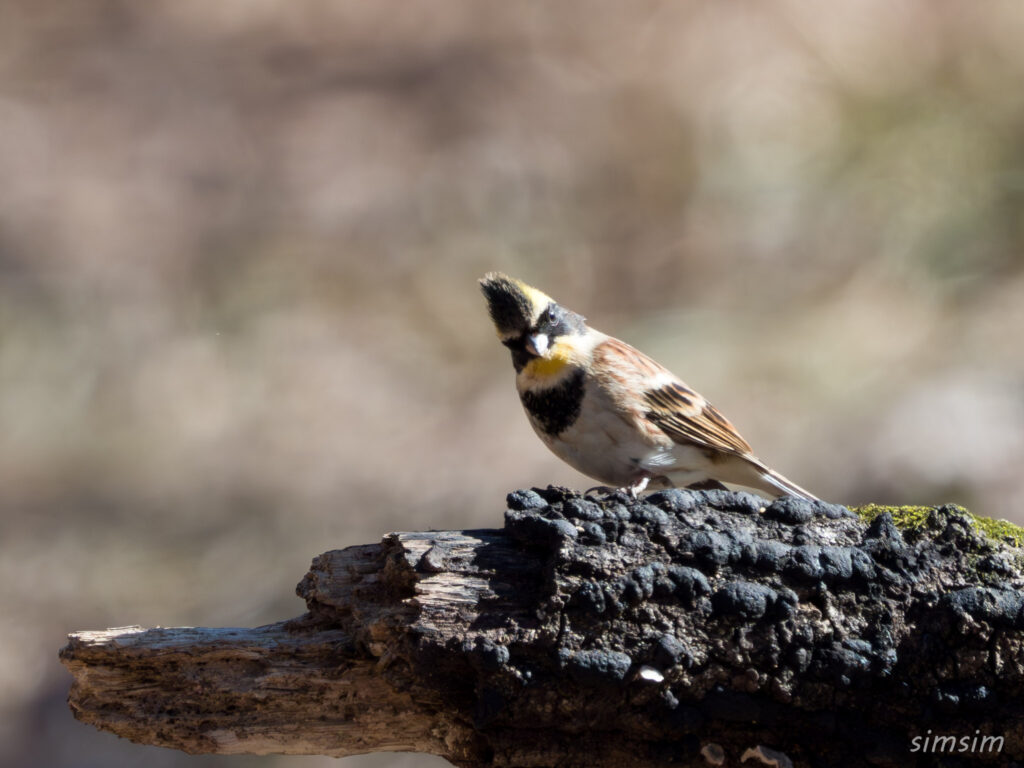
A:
(632, 491)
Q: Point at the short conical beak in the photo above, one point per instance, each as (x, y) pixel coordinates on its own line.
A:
(537, 344)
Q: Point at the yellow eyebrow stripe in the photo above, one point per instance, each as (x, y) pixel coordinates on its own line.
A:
(538, 299)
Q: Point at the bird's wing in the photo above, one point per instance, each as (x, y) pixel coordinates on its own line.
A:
(650, 391)
(686, 418)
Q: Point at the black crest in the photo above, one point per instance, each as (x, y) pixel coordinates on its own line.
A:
(509, 306)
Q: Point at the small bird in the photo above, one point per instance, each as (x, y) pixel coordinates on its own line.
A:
(610, 411)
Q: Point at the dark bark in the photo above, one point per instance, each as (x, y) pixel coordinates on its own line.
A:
(609, 632)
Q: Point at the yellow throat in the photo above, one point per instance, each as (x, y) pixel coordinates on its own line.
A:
(551, 366)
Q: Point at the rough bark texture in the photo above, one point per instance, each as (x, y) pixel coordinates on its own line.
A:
(684, 628)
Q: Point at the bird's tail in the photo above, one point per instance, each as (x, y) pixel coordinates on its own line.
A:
(787, 487)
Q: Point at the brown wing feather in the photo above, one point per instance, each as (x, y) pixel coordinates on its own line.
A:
(708, 427)
(680, 412)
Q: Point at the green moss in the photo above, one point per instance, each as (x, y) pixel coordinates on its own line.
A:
(1000, 530)
(916, 518)
(905, 518)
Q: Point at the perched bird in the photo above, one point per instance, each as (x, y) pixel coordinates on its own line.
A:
(610, 411)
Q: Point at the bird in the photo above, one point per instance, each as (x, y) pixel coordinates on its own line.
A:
(610, 411)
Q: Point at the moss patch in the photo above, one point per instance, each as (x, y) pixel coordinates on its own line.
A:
(906, 518)
(1000, 530)
(916, 518)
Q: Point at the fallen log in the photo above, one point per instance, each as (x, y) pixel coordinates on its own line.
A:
(684, 628)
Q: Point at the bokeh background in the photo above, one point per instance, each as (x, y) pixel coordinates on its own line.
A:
(239, 245)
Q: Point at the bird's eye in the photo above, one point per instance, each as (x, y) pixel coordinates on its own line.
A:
(549, 315)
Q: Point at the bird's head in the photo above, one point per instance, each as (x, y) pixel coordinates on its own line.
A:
(528, 321)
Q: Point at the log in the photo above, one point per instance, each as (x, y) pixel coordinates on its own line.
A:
(684, 628)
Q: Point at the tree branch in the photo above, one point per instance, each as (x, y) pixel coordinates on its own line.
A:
(684, 628)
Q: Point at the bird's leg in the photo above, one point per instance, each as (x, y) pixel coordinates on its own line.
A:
(637, 488)
(633, 491)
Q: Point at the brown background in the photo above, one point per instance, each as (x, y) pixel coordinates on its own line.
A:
(239, 245)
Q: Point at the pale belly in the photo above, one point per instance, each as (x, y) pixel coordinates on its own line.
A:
(604, 445)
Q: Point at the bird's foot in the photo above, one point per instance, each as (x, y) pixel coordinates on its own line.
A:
(632, 491)
(636, 488)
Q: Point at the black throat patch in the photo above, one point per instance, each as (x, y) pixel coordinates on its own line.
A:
(556, 408)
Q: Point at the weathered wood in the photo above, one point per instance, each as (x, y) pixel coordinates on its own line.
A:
(669, 630)
(263, 690)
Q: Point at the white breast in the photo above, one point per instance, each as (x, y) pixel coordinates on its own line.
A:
(602, 444)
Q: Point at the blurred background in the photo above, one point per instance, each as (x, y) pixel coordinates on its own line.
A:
(239, 246)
